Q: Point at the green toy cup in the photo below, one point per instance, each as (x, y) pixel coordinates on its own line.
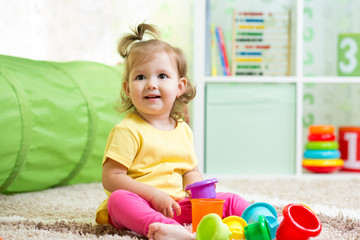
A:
(258, 230)
(211, 227)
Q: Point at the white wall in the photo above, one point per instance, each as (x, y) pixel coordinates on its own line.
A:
(65, 30)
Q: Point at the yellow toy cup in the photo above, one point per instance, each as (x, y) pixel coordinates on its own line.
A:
(201, 207)
(236, 226)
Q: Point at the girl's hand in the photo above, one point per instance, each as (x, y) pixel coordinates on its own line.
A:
(165, 204)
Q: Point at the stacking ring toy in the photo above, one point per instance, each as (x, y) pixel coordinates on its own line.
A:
(322, 154)
(323, 163)
(322, 145)
(322, 137)
(321, 129)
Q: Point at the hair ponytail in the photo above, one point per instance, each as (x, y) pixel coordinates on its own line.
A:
(138, 34)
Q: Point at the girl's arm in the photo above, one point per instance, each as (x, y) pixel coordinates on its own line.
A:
(192, 176)
(114, 177)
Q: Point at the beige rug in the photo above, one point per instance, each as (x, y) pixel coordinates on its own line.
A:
(68, 212)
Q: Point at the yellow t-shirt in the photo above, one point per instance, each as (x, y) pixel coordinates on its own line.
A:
(152, 156)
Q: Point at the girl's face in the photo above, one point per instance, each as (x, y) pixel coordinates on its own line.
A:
(154, 85)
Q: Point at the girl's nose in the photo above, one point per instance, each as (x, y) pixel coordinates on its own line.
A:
(151, 83)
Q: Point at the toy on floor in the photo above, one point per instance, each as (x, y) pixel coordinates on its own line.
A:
(322, 154)
(202, 207)
(236, 225)
(211, 227)
(299, 223)
(251, 214)
(202, 189)
(258, 230)
(203, 200)
(259, 221)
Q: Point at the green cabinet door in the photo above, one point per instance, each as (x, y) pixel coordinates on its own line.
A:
(250, 128)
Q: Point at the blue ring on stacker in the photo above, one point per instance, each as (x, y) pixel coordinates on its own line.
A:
(322, 154)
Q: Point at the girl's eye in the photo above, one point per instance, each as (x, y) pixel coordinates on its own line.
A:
(162, 76)
(140, 77)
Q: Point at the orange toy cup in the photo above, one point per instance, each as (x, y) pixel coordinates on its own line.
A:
(201, 207)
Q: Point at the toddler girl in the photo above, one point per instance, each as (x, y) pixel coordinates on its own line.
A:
(149, 156)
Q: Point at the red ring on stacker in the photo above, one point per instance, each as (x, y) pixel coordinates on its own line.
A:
(322, 137)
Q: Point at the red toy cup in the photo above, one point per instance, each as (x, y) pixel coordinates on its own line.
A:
(299, 223)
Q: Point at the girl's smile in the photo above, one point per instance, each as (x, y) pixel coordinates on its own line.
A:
(154, 85)
(152, 96)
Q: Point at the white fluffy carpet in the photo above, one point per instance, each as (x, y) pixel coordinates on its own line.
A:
(68, 212)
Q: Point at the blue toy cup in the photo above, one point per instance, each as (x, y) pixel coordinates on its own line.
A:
(251, 214)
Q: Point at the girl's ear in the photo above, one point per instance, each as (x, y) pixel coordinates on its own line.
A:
(182, 86)
(126, 88)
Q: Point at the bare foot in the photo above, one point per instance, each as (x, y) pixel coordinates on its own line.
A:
(162, 231)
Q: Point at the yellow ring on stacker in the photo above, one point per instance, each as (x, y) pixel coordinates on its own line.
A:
(330, 145)
(323, 163)
(321, 129)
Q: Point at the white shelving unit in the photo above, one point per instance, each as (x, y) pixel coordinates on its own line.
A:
(298, 79)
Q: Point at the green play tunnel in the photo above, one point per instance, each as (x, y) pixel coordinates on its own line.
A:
(54, 120)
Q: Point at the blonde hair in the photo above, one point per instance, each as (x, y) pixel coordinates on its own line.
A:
(135, 50)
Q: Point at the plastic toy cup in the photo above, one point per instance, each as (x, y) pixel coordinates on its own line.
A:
(203, 189)
(299, 223)
(258, 230)
(202, 207)
(236, 225)
(212, 228)
(251, 214)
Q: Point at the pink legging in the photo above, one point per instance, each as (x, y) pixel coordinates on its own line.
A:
(129, 210)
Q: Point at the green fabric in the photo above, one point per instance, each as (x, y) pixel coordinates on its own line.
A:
(55, 118)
